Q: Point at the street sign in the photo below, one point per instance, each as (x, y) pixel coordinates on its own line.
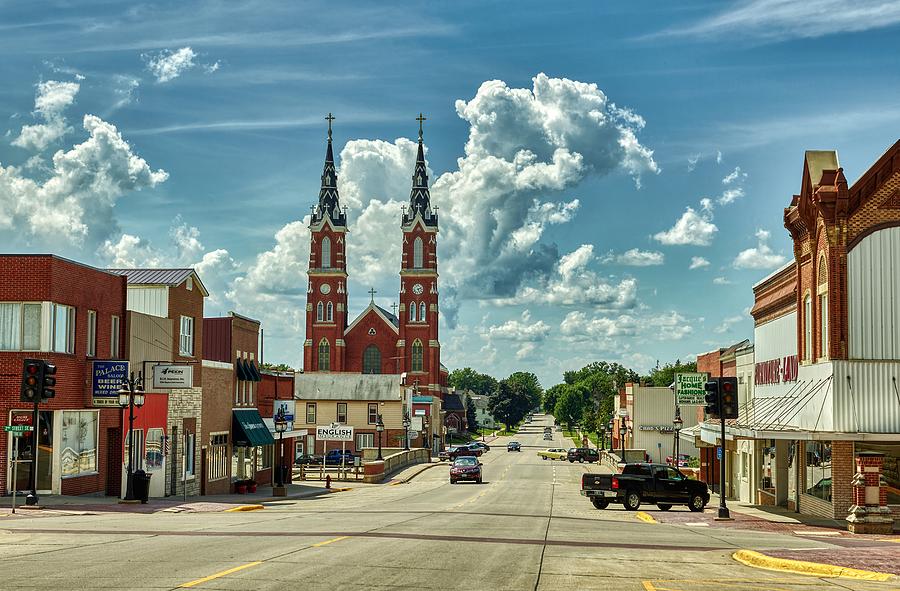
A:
(169, 376)
(689, 389)
(719, 453)
(107, 378)
(622, 412)
(334, 433)
(18, 428)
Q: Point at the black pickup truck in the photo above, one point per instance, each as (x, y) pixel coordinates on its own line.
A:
(645, 483)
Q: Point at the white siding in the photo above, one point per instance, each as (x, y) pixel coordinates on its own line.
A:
(655, 406)
(153, 301)
(873, 268)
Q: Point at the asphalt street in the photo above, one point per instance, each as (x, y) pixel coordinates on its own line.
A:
(526, 527)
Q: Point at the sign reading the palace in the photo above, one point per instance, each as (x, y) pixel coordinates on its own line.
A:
(334, 433)
(107, 378)
(689, 389)
(777, 371)
(169, 376)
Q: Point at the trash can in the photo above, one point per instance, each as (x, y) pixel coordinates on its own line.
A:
(141, 485)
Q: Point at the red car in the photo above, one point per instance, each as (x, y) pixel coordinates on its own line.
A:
(683, 460)
(465, 468)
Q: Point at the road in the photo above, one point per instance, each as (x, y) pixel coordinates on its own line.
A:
(525, 528)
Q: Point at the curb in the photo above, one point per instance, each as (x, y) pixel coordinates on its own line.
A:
(244, 508)
(800, 567)
(411, 476)
(646, 517)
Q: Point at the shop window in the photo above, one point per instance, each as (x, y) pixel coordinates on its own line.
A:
(78, 453)
(186, 342)
(63, 329)
(153, 451)
(373, 414)
(372, 359)
(342, 413)
(818, 470)
(190, 449)
(891, 470)
(364, 440)
(310, 413)
(324, 355)
(417, 355)
(91, 333)
(264, 457)
(217, 461)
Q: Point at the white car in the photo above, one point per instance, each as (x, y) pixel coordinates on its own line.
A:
(548, 437)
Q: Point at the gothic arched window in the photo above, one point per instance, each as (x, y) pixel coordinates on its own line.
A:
(329, 312)
(320, 312)
(422, 312)
(324, 355)
(823, 307)
(372, 360)
(412, 311)
(418, 255)
(417, 356)
(326, 252)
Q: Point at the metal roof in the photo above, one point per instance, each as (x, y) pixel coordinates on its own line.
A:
(347, 386)
(159, 277)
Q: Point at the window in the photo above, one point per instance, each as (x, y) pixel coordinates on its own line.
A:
(324, 355)
(417, 355)
(265, 457)
(365, 440)
(189, 284)
(413, 307)
(417, 254)
(372, 359)
(891, 469)
(329, 312)
(373, 414)
(422, 312)
(186, 344)
(20, 327)
(342, 412)
(190, 448)
(153, 452)
(823, 318)
(114, 337)
(63, 329)
(807, 328)
(91, 333)
(818, 469)
(310, 413)
(326, 253)
(217, 459)
(79, 443)
(320, 312)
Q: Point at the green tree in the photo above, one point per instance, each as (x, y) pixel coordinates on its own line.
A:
(276, 367)
(471, 415)
(551, 396)
(664, 376)
(510, 403)
(530, 384)
(469, 379)
(570, 405)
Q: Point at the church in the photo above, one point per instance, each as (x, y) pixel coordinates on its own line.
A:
(376, 341)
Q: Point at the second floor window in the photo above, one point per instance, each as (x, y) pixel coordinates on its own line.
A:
(310, 413)
(342, 412)
(114, 337)
(63, 329)
(807, 329)
(373, 414)
(92, 333)
(186, 342)
(20, 326)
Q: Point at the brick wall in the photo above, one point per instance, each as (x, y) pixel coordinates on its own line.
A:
(218, 393)
(843, 467)
(188, 302)
(359, 339)
(185, 409)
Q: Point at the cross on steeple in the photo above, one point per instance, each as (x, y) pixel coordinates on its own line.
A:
(330, 118)
(421, 119)
(394, 308)
(372, 293)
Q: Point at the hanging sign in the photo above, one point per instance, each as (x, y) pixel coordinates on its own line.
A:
(107, 378)
(690, 389)
(334, 433)
(168, 376)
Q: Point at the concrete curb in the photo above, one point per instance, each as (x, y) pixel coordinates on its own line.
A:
(645, 517)
(800, 567)
(244, 508)
(411, 476)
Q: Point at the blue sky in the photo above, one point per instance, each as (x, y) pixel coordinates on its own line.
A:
(156, 134)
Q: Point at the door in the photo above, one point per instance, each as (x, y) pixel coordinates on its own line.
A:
(203, 471)
(114, 462)
(43, 448)
(670, 485)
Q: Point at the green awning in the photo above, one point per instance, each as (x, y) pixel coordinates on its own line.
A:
(248, 429)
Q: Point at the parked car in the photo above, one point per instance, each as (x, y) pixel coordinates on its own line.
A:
(513, 446)
(554, 453)
(645, 483)
(583, 454)
(334, 457)
(484, 446)
(456, 451)
(307, 459)
(683, 460)
(548, 436)
(465, 468)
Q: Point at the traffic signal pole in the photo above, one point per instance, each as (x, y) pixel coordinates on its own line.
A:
(723, 507)
(32, 498)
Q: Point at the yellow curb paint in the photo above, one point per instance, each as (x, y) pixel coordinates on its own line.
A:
(244, 508)
(326, 542)
(800, 567)
(894, 540)
(646, 517)
(334, 490)
(218, 575)
(648, 586)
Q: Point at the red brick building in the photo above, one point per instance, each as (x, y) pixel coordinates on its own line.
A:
(69, 314)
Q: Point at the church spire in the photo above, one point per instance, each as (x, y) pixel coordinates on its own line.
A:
(329, 200)
(420, 197)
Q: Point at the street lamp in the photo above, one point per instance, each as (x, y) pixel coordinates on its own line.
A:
(425, 439)
(622, 431)
(610, 426)
(131, 394)
(677, 423)
(379, 426)
(280, 427)
(406, 424)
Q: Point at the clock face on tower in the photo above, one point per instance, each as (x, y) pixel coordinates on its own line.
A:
(325, 288)
(417, 289)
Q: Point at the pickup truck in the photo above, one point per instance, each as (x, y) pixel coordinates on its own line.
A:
(656, 484)
(336, 457)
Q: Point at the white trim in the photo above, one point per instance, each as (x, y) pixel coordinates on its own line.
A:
(217, 364)
(380, 315)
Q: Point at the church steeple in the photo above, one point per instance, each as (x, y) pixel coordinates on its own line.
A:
(419, 197)
(329, 200)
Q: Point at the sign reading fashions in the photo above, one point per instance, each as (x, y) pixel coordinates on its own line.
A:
(690, 389)
(171, 376)
(334, 433)
(107, 378)
(777, 371)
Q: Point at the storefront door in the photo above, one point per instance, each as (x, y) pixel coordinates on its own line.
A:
(27, 451)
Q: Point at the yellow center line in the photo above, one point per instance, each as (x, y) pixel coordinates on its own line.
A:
(218, 575)
(326, 542)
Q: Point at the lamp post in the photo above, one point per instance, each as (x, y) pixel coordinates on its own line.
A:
(610, 427)
(425, 438)
(406, 424)
(379, 426)
(677, 423)
(622, 431)
(131, 394)
(280, 427)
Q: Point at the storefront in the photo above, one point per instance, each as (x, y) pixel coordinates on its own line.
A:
(253, 448)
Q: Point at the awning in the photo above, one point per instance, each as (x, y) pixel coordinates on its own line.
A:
(253, 371)
(248, 428)
(241, 370)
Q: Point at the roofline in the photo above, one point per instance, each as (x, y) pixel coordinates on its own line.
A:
(876, 166)
(774, 274)
(59, 258)
(377, 310)
(193, 271)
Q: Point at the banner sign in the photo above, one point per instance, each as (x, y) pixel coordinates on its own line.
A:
(659, 428)
(107, 378)
(776, 371)
(690, 389)
(170, 376)
(334, 433)
(287, 408)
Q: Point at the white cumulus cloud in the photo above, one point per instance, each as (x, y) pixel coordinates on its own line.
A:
(691, 228)
(759, 257)
(168, 65)
(51, 100)
(635, 257)
(698, 262)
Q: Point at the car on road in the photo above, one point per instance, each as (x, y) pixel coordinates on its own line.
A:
(548, 436)
(583, 454)
(645, 483)
(513, 446)
(307, 460)
(465, 468)
(553, 453)
(480, 444)
(457, 451)
(334, 457)
(683, 460)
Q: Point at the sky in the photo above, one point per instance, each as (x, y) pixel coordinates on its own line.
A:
(611, 177)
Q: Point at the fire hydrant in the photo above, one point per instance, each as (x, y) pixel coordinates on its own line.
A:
(328, 481)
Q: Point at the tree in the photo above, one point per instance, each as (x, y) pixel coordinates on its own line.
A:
(276, 367)
(664, 376)
(570, 405)
(551, 396)
(530, 384)
(594, 393)
(509, 403)
(471, 415)
(469, 379)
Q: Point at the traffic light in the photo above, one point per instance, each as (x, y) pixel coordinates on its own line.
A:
(728, 392)
(32, 377)
(713, 402)
(49, 382)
